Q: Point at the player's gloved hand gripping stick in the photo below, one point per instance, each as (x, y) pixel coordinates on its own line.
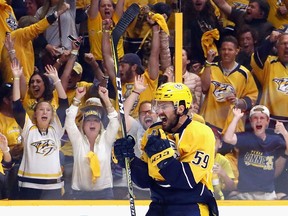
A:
(159, 150)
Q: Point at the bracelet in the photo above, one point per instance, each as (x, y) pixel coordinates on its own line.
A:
(106, 31)
(76, 100)
(12, 51)
(105, 77)
(8, 149)
(57, 81)
(110, 107)
(135, 92)
(16, 78)
(76, 103)
(74, 52)
(58, 61)
(208, 64)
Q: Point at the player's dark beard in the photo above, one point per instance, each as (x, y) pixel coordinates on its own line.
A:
(173, 123)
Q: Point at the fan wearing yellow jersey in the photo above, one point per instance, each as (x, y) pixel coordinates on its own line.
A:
(225, 84)
(271, 72)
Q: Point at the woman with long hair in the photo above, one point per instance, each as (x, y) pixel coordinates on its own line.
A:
(92, 146)
(40, 88)
(40, 174)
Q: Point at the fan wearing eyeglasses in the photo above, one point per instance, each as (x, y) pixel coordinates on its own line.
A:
(136, 128)
(177, 157)
(262, 154)
(146, 115)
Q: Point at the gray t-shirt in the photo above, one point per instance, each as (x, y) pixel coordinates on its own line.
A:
(67, 26)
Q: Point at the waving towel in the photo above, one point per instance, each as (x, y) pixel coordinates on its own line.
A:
(207, 41)
(161, 22)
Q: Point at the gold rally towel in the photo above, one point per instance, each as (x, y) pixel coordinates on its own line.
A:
(161, 22)
(207, 41)
(94, 165)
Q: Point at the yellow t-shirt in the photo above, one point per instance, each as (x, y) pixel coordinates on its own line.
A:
(95, 37)
(10, 128)
(146, 95)
(139, 27)
(82, 3)
(225, 165)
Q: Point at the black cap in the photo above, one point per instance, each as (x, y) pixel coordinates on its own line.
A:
(132, 58)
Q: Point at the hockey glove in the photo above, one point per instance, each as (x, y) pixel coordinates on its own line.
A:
(159, 151)
(123, 148)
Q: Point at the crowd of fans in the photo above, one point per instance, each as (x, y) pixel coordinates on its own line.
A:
(59, 104)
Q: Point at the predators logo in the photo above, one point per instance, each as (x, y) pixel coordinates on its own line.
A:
(11, 22)
(44, 147)
(222, 90)
(282, 84)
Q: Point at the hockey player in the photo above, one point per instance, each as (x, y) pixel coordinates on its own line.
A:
(177, 159)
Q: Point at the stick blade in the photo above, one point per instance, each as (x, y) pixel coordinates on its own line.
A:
(128, 16)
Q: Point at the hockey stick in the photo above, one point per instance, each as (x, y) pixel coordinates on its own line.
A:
(117, 32)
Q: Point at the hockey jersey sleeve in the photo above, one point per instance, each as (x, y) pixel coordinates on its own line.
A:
(193, 159)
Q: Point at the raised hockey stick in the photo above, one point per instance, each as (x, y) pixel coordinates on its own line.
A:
(127, 17)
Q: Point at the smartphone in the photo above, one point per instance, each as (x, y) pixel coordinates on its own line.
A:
(73, 39)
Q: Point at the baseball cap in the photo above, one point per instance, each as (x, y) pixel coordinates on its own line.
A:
(259, 109)
(92, 107)
(132, 58)
(77, 68)
(5, 90)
